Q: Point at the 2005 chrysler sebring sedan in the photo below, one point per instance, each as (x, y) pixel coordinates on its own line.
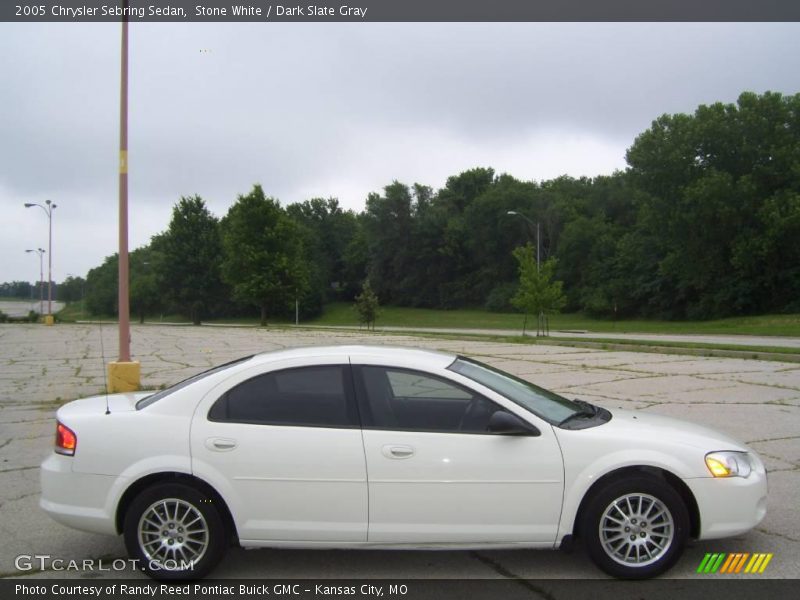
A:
(375, 447)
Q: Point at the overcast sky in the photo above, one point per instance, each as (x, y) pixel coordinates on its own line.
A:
(334, 110)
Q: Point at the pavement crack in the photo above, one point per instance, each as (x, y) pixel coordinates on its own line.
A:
(777, 439)
(14, 499)
(776, 534)
(18, 469)
(504, 572)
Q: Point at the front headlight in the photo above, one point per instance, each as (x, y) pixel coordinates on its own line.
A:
(728, 464)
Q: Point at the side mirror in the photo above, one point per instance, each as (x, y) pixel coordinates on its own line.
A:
(504, 423)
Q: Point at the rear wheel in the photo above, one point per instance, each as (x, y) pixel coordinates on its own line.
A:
(636, 528)
(175, 532)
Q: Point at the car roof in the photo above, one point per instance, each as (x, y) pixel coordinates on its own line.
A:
(392, 354)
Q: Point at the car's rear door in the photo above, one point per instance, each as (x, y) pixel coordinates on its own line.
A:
(437, 476)
(284, 448)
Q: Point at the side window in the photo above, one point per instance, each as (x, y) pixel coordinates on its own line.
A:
(307, 396)
(413, 401)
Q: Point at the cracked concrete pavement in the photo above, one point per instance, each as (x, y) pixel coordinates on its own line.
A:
(42, 367)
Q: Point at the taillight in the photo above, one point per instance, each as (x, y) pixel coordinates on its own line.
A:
(66, 440)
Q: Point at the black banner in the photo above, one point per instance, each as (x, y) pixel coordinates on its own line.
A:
(399, 10)
(702, 588)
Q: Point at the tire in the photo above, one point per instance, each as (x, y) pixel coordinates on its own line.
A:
(635, 528)
(190, 538)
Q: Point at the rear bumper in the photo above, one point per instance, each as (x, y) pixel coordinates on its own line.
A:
(730, 506)
(77, 500)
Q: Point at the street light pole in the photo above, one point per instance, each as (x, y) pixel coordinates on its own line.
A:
(49, 212)
(541, 325)
(124, 375)
(123, 302)
(532, 224)
(50, 256)
(40, 251)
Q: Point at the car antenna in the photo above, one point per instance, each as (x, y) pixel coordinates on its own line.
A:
(103, 357)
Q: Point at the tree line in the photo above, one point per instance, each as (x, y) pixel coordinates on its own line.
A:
(704, 222)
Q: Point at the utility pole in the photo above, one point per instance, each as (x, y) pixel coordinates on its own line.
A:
(532, 224)
(542, 324)
(122, 298)
(40, 251)
(48, 209)
(124, 375)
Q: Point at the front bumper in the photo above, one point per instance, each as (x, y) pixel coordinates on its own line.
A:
(77, 500)
(732, 505)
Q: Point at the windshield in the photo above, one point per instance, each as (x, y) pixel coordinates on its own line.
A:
(148, 400)
(549, 406)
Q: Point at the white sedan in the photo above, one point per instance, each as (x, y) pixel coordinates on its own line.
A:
(376, 447)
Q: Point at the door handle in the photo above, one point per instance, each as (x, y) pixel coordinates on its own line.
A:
(221, 444)
(392, 451)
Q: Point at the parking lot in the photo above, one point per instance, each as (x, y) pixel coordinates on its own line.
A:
(42, 367)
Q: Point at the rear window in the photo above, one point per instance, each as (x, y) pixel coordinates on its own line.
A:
(147, 401)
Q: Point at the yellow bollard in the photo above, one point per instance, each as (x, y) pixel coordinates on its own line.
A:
(124, 376)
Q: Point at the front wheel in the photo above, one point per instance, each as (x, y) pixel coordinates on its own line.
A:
(636, 528)
(175, 532)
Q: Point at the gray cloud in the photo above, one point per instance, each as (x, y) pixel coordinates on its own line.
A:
(341, 110)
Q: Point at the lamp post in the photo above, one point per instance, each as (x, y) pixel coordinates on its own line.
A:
(123, 290)
(40, 251)
(541, 324)
(124, 375)
(48, 209)
(532, 224)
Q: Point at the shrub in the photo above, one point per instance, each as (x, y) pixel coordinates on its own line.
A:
(499, 299)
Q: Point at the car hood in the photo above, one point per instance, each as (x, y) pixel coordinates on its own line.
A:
(96, 405)
(637, 425)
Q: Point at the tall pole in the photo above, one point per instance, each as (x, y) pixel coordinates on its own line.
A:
(124, 306)
(41, 282)
(531, 223)
(40, 251)
(50, 208)
(541, 318)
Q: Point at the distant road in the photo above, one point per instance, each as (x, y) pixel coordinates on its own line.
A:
(733, 340)
(20, 308)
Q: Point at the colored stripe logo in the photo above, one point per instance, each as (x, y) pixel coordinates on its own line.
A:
(733, 563)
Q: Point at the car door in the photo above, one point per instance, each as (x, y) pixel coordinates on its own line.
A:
(437, 476)
(285, 450)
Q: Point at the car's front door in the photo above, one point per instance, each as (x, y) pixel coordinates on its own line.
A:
(437, 476)
(285, 450)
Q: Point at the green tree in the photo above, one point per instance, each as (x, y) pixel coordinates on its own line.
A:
(717, 181)
(355, 259)
(263, 254)
(326, 231)
(190, 271)
(145, 286)
(367, 305)
(101, 287)
(538, 294)
(388, 224)
(17, 289)
(71, 289)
